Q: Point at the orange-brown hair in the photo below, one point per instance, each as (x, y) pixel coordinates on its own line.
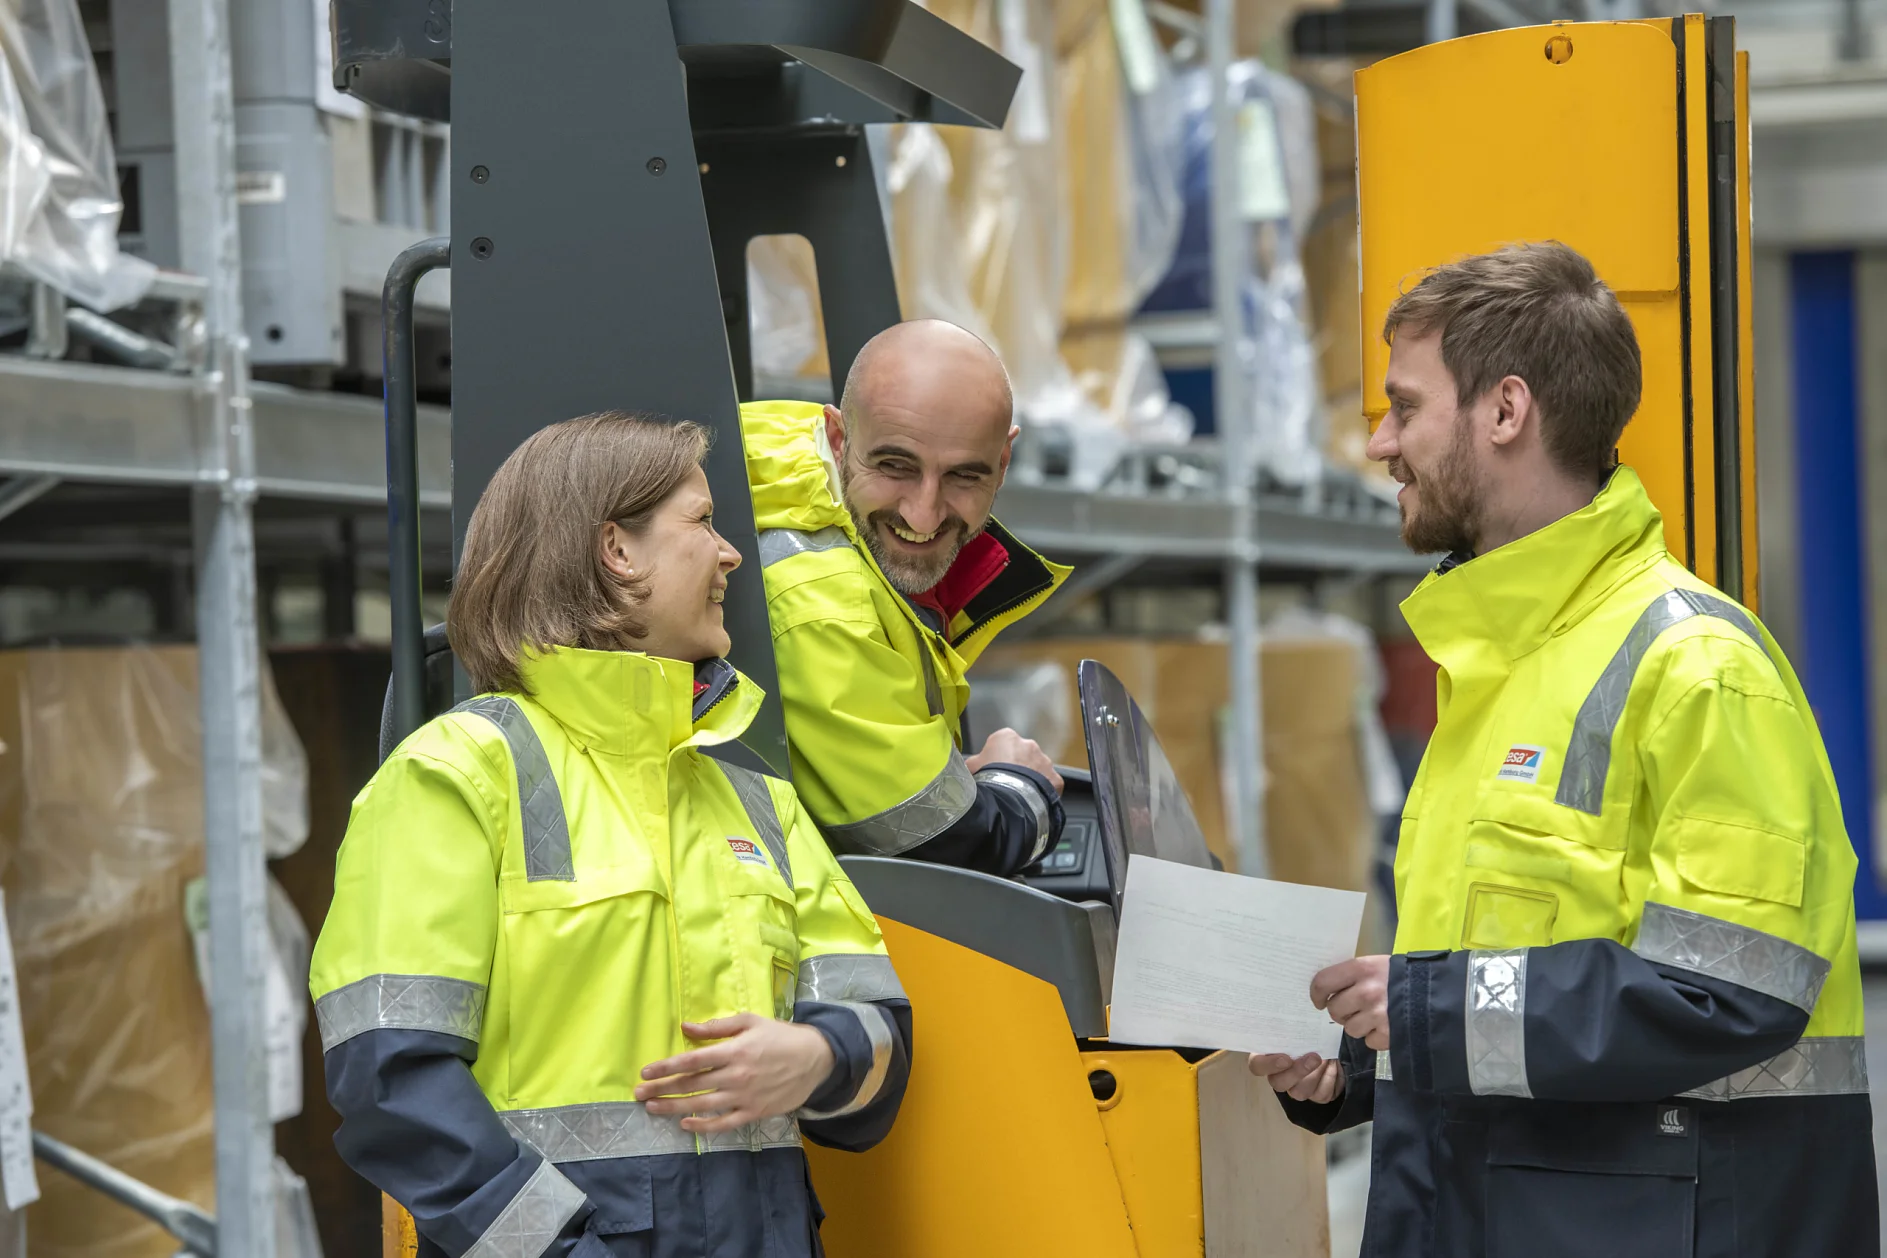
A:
(532, 573)
(1540, 312)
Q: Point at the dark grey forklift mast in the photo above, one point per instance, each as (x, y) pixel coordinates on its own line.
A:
(611, 160)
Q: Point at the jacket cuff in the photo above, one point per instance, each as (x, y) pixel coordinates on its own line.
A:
(1039, 801)
(862, 1036)
(1427, 1029)
(1355, 1104)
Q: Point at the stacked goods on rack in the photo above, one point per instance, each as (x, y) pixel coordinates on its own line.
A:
(1041, 237)
(101, 835)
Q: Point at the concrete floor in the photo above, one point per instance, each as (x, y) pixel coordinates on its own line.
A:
(1349, 1178)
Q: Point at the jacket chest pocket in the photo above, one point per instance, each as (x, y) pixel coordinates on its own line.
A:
(1536, 873)
(1571, 1181)
(569, 952)
(765, 921)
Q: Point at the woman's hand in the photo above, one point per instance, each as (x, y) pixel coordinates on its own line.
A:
(760, 1068)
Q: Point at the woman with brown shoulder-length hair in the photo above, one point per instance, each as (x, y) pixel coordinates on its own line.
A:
(583, 989)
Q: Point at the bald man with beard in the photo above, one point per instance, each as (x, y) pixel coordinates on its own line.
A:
(886, 578)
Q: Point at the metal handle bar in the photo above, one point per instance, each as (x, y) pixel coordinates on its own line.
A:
(402, 401)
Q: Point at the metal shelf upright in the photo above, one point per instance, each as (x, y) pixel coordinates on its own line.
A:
(228, 644)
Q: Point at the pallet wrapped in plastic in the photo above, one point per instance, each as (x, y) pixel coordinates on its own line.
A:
(1041, 237)
(59, 199)
(101, 834)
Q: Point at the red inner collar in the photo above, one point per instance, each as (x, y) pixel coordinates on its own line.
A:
(980, 562)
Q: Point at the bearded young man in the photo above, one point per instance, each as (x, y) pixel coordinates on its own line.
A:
(886, 578)
(1623, 1017)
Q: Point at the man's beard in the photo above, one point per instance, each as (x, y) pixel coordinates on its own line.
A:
(1450, 495)
(908, 574)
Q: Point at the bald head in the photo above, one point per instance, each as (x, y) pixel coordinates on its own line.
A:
(922, 438)
(932, 368)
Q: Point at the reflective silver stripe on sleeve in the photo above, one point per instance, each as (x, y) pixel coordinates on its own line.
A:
(1736, 954)
(1031, 797)
(845, 976)
(408, 1002)
(528, 1225)
(540, 806)
(876, 1023)
(758, 801)
(1589, 752)
(1496, 1023)
(1834, 1065)
(1384, 1072)
(624, 1129)
(918, 819)
(778, 544)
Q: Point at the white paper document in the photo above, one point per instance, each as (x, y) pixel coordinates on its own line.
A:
(1216, 960)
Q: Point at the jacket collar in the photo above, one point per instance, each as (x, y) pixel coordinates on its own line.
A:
(1515, 597)
(622, 702)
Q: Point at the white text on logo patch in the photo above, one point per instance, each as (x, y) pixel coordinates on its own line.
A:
(746, 851)
(1522, 764)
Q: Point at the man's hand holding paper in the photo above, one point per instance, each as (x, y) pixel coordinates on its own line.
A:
(1216, 960)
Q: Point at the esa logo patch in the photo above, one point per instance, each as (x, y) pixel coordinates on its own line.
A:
(746, 851)
(1522, 764)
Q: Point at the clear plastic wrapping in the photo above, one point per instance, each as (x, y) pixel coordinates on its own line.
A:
(1041, 238)
(784, 321)
(59, 199)
(1036, 700)
(101, 830)
(1280, 188)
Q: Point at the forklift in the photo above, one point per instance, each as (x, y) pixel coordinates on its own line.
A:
(612, 161)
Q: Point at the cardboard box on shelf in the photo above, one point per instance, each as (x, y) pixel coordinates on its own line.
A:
(1318, 824)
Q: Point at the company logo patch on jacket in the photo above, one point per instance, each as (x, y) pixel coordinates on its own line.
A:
(1522, 763)
(746, 851)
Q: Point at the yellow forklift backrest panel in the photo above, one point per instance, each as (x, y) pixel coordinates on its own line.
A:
(1566, 132)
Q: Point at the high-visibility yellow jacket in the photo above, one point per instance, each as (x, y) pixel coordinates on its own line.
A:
(873, 695)
(1622, 882)
(543, 887)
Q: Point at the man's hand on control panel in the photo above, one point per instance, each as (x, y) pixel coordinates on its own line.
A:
(1005, 746)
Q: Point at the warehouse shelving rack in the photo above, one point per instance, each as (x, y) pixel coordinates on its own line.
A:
(207, 430)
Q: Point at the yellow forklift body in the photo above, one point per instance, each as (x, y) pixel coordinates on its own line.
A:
(1002, 1148)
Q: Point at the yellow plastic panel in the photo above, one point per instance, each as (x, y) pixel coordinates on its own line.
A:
(1152, 1126)
(1746, 341)
(1653, 443)
(1439, 130)
(1702, 556)
(998, 1151)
